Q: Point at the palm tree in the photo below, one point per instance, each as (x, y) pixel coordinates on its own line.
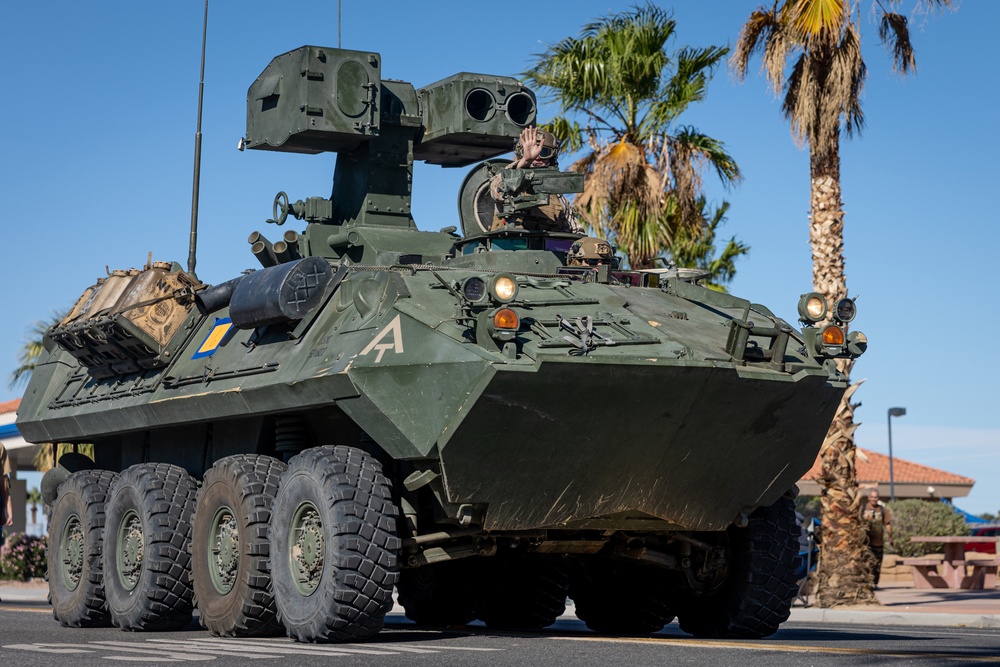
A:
(822, 98)
(34, 345)
(695, 248)
(643, 170)
(32, 350)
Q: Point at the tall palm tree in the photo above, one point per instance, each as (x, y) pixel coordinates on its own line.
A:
(643, 170)
(822, 99)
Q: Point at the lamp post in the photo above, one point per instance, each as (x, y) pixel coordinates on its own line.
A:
(893, 412)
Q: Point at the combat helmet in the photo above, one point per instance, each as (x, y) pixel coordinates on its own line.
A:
(590, 251)
(550, 147)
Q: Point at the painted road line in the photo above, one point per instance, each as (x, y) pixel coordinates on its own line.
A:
(784, 648)
(231, 646)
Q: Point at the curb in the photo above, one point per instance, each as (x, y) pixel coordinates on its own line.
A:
(874, 618)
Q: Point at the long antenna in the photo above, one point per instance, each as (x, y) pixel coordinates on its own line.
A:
(338, 24)
(193, 245)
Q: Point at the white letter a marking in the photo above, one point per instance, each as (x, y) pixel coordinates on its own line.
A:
(395, 344)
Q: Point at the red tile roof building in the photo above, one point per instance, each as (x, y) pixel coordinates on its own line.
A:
(912, 480)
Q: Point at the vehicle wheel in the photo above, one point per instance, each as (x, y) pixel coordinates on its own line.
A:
(620, 598)
(756, 595)
(230, 562)
(146, 557)
(438, 594)
(76, 539)
(334, 548)
(521, 592)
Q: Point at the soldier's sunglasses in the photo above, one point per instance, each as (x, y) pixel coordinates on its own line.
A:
(547, 152)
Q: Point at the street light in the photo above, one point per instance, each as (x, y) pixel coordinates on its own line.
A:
(893, 412)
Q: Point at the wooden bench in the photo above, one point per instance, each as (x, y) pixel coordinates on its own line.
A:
(926, 574)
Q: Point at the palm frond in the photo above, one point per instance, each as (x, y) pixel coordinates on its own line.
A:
(815, 18)
(846, 80)
(753, 36)
(32, 349)
(895, 35)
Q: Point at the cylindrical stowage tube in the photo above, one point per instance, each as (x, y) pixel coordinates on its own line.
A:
(264, 253)
(216, 297)
(282, 293)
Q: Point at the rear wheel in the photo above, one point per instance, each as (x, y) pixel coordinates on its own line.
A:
(146, 555)
(521, 592)
(620, 598)
(438, 594)
(76, 541)
(334, 548)
(230, 550)
(755, 597)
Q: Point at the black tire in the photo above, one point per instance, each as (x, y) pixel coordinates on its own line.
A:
(147, 560)
(439, 594)
(230, 562)
(757, 592)
(521, 592)
(621, 598)
(76, 541)
(334, 550)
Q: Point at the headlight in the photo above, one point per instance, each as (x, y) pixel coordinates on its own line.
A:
(504, 288)
(474, 289)
(845, 310)
(812, 307)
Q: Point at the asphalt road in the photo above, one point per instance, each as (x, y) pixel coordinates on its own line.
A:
(30, 638)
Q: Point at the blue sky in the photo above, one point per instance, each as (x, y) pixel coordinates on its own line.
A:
(99, 110)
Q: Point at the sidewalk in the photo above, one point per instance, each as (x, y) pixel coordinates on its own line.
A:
(902, 604)
(23, 593)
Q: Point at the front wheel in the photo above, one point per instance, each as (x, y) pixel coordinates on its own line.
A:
(756, 595)
(147, 563)
(334, 549)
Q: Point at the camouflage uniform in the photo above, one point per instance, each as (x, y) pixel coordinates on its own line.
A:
(875, 520)
(557, 215)
(5, 508)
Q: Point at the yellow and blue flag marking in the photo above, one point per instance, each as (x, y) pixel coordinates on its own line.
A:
(215, 338)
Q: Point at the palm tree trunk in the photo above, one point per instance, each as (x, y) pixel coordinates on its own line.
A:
(844, 574)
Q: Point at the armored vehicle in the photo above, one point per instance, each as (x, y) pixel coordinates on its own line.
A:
(488, 422)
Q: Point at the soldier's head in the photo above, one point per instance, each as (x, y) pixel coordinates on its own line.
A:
(550, 149)
(590, 251)
(873, 497)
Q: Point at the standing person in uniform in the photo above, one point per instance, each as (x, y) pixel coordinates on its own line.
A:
(877, 520)
(6, 507)
(535, 149)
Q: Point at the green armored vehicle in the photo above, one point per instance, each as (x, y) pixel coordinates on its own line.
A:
(475, 421)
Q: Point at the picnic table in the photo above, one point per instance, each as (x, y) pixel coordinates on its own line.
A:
(953, 573)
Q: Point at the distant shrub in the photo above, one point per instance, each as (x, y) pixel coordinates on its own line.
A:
(809, 507)
(923, 517)
(22, 557)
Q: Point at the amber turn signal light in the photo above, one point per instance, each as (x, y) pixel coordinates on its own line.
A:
(505, 319)
(833, 335)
